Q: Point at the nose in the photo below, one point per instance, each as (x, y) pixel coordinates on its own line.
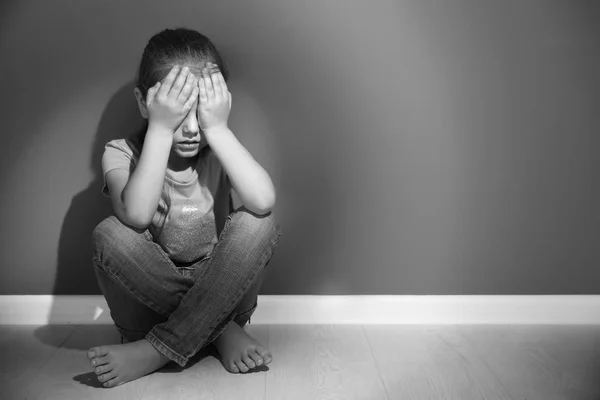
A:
(189, 126)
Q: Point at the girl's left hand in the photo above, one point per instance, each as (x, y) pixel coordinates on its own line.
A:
(215, 99)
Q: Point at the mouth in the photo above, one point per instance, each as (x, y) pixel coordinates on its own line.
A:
(189, 144)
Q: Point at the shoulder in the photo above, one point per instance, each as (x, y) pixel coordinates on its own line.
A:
(119, 145)
(128, 148)
(121, 154)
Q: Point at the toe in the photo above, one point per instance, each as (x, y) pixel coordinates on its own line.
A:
(98, 361)
(248, 361)
(96, 352)
(241, 366)
(258, 360)
(265, 354)
(103, 369)
(100, 358)
(233, 368)
(107, 376)
(112, 383)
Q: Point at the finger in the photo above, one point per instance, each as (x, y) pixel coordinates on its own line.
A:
(191, 100)
(214, 77)
(152, 93)
(202, 91)
(168, 81)
(211, 68)
(190, 82)
(223, 85)
(179, 82)
(210, 92)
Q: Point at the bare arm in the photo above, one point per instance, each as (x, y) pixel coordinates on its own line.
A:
(141, 194)
(248, 178)
(135, 198)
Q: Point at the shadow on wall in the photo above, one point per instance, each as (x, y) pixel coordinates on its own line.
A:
(74, 273)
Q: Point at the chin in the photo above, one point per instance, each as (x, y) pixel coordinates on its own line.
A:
(187, 154)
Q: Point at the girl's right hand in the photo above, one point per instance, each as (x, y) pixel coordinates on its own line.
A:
(168, 102)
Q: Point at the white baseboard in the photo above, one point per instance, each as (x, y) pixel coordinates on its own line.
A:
(360, 309)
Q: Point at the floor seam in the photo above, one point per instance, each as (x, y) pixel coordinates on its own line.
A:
(486, 364)
(59, 347)
(385, 389)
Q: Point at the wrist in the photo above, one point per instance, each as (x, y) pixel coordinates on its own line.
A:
(160, 133)
(216, 130)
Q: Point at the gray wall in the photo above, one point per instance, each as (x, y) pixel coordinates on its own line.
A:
(418, 147)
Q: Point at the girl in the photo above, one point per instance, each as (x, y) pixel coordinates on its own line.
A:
(178, 267)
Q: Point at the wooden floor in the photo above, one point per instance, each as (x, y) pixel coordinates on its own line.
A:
(326, 362)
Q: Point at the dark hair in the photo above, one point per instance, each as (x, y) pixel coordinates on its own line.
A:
(164, 50)
(176, 46)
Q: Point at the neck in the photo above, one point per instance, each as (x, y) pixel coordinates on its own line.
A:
(177, 163)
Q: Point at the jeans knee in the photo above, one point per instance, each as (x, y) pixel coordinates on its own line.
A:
(111, 236)
(262, 228)
(102, 232)
(106, 231)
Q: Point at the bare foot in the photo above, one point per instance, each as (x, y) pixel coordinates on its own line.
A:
(240, 352)
(120, 363)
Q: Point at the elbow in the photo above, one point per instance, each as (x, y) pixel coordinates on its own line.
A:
(262, 206)
(132, 214)
(137, 220)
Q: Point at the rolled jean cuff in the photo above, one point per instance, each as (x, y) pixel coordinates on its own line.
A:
(129, 335)
(244, 317)
(165, 350)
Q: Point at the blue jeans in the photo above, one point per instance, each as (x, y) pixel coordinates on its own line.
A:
(180, 309)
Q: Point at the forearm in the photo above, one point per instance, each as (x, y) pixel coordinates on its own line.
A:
(249, 179)
(142, 192)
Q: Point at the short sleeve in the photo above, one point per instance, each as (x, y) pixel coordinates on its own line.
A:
(117, 155)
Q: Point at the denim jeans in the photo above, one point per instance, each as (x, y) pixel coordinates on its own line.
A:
(181, 309)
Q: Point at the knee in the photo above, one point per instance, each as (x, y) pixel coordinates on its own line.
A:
(261, 228)
(107, 231)
(111, 235)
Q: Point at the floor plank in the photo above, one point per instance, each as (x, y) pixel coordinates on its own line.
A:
(325, 362)
(528, 362)
(577, 349)
(322, 362)
(24, 350)
(207, 379)
(416, 362)
(68, 375)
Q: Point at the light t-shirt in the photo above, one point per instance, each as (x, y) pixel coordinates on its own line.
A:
(190, 214)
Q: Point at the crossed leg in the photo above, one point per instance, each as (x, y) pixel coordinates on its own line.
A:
(148, 278)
